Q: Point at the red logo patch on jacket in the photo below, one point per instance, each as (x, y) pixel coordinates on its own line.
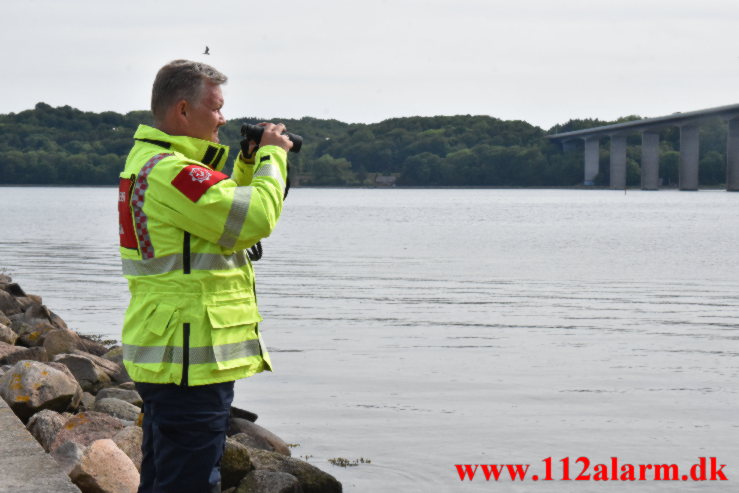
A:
(194, 181)
(125, 219)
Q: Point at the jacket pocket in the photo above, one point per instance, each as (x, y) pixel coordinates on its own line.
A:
(234, 333)
(161, 319)
(150, 336)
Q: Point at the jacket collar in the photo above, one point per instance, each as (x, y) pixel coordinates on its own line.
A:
(208, 153)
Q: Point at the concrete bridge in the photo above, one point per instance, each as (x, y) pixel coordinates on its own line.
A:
(688, 123)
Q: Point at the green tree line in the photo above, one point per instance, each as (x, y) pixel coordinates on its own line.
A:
(67, 146)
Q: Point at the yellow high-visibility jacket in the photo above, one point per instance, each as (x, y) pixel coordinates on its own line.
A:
(184, 227)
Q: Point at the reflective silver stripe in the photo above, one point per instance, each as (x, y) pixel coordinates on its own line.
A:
(272, 171)
(151, 266)
(224, 352)
(198, 355)
(214, 261)
(236, 217)
(171, 263)
(152, 354)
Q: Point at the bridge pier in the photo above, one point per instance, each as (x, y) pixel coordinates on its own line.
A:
(618, 161)
(732, 156)
(689, 153)
(649, 160)
(592, 159)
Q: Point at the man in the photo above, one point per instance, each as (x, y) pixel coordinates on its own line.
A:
(191, 328)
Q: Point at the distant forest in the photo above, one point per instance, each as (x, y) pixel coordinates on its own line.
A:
(67, 146)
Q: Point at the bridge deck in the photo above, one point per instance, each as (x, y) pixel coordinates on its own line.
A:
(727, 112)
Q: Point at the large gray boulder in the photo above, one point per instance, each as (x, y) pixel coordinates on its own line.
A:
(31, 354)
(269, 482)
(130, 396)
(90, 376)
(117, 408)
(104, 468)
(260, 436)
(312, 479)
(85, 428)
(60, 341)
(116, 372)
(31, 333)
(44, 426)
(31, 386)
(8, 349)
(252, 441)
(8, 304)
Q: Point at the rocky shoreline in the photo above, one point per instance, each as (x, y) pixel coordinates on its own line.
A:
(76, 399)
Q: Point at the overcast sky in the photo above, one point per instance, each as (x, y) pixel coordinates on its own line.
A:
(542, 61)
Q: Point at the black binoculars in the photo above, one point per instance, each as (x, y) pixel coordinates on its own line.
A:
(254, 133)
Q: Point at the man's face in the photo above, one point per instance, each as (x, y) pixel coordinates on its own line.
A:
(204, 117)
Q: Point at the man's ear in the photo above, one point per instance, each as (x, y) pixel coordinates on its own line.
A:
(182, 109)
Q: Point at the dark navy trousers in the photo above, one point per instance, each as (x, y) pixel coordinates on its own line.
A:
(184, 436)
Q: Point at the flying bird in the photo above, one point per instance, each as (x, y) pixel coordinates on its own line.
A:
(207, 51)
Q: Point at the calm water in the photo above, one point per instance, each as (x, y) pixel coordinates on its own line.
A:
(426, 328)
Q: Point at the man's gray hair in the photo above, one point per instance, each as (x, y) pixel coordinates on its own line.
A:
(181, 79)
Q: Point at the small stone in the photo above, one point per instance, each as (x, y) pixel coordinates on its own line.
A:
(31, 386)
(118, 408)
(129, 440)
(238, 425)
(15, 289)
(44, 426)
(88, 401)
(86, 427)
(7, 335)
(57, 321)
(269, 482)
(127, 386)
(312, 479)
(90, 376)
(68, 456)
(118, 393)
(88, 345)
(235, 463)
(4, 320)
(104, 468)
(115, 354)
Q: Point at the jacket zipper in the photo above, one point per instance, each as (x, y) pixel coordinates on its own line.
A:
(185, 326)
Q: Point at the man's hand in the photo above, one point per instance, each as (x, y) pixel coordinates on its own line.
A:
(273, 136)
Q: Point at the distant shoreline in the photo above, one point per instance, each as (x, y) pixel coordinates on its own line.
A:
(456, 187)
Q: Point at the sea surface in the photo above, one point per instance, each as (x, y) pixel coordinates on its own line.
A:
(419, 329)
